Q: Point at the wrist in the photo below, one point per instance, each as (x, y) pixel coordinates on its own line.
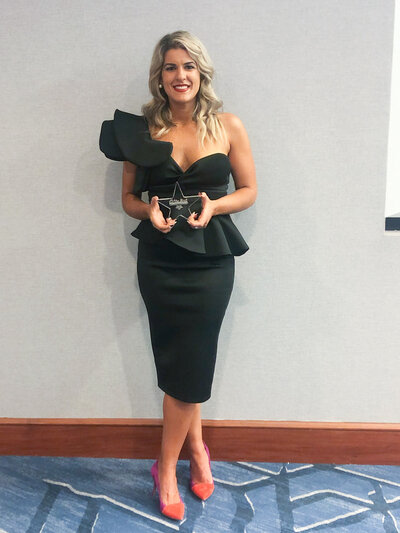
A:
(148, 206)
(215, 206)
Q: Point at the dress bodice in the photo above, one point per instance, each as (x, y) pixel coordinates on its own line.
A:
(127, 137)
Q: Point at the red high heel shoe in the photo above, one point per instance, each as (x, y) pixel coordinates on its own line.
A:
(202, 490)
(172, 510)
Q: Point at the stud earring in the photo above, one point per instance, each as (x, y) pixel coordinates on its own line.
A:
(160, 85)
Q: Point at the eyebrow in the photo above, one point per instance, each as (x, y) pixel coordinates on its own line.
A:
(187, 63)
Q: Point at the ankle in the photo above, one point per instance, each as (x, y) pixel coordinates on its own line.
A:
(196, 449)
(166, 465)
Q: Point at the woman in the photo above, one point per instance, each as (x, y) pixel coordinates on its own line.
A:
(182, 151)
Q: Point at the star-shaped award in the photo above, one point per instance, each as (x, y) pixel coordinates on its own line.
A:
(179, 205)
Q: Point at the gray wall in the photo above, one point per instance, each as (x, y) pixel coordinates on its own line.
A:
(312, 329)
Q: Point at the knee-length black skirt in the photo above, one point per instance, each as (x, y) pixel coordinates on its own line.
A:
(186, 295)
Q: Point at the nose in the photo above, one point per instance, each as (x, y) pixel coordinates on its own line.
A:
(180, 73)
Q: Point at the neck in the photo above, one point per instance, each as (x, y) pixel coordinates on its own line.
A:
(182, 113)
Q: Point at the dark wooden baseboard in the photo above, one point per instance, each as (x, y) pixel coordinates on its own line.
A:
(228, 440)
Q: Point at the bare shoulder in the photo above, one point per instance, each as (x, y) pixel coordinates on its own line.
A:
(232, 124)
(231, 121)
(234, 128)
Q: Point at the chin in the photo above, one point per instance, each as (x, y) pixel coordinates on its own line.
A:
(182, 98)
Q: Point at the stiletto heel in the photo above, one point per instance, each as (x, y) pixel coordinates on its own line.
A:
(172, 510)
(202, 490)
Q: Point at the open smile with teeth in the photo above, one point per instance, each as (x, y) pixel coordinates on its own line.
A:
(181, 88)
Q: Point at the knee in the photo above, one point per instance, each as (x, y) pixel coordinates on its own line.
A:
(181, 403)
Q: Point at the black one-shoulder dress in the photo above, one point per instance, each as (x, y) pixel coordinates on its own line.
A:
(185, 276)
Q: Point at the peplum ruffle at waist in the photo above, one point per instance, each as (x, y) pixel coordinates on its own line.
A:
(220, 237)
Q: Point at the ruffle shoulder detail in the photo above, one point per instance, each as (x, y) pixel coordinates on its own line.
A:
(127, 138)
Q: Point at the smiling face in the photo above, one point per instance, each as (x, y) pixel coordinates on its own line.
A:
(180, 76)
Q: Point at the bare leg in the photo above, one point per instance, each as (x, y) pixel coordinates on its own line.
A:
(201, 472)
(177, 418)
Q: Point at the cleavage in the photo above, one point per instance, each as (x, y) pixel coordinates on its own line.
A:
(188, 156)
(189, 165)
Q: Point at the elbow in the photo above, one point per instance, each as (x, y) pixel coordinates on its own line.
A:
(124, 202)
(252, 195)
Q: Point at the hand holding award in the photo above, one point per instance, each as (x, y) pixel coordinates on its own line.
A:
(157, 217)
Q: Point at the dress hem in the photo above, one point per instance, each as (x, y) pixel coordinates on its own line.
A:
(164, 389)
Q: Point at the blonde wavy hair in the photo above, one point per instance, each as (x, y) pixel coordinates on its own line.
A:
(158, 113)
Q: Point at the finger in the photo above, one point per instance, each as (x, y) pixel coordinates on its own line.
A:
(171, 222)
(166, 224)
(201, 220)
(165, 229)
(192, 218)
(199, 224)
(162, 224)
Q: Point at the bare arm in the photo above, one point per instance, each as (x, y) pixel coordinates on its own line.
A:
(133, 205)
(243, 170)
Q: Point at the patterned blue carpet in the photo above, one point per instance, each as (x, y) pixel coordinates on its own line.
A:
(85, 495)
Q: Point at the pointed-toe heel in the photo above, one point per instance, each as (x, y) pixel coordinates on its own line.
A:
(172, 510)
(202, 490)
